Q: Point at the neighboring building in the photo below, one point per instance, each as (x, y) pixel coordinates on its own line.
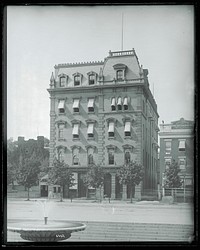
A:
(28, 148)
(104, 113)
(177, 143)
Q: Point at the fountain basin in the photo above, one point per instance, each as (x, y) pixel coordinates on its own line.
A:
(37, 231)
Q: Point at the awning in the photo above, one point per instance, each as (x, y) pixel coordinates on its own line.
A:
(113, 102)
(75, 129)
(119, 101)
(127, 127)
(125, 101)
(90, 128)
(111, 127)
(91, 103)
(76, 103)
(181, 145)
(61, 104)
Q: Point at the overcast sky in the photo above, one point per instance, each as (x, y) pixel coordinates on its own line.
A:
(38, 37)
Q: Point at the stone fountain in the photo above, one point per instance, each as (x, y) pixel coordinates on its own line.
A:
(46, 230)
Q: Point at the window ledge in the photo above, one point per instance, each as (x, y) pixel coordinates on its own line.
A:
(111, 138)
(61, 113)
(76, 113)
(61, 139)
(127, 137)
(91, 112)
(75, 139)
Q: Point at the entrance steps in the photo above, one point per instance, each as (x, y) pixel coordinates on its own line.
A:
(115, 231)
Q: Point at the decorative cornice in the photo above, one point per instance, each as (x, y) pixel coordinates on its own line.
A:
(90, 146)
(127, 146)
(110, 146)
(75, 146)
(68, 65)
(76, 121)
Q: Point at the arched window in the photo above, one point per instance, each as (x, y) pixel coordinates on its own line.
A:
(75, 160)
(91, 79)
(62, 81)
(77, 80)
(90, 159)
(127, 157)
(60, 156)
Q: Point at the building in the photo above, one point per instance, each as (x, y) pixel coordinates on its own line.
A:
(177, 143)
(104, 112)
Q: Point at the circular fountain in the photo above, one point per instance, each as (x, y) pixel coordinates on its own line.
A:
(44, 230)
(52, 231)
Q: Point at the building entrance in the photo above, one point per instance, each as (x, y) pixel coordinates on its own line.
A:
(81, 186)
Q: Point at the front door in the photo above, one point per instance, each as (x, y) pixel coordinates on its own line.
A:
(81, 186)
(44, 190)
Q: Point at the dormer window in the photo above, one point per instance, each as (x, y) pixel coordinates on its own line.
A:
(77, 80)
(62, 81)
(120, 71)
(91, 79)
(119, 75)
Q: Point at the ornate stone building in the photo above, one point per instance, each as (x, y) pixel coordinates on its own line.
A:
(104, 112)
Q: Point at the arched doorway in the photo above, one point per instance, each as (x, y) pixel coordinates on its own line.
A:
(107, 185)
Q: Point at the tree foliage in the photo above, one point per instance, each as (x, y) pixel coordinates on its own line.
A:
(131, 174)
(27, 173)
(94, 177)
(171, 176)
(60, 174)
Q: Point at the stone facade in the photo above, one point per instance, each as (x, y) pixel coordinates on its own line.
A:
(104, 111)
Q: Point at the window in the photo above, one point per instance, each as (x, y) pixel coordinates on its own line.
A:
(111, 158)
(90, 159)
(127, 157)
(127, 129)
(119, 75)
(182, 163)
(60, 156)
(60, 133)
(77, 80)
(75, 131)
(125, 103)
(61, 106)
(54, 189)
(167, 163)
(92, 79)
(75, 160)
(91, 105)
(90, 130)
(111, 133)
(59, 189)
(62, 81)
(119, 103)
(76, 106)
(181, 145)
(168, 147)
(113, 108)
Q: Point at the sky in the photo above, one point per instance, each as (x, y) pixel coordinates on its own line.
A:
(39, 37)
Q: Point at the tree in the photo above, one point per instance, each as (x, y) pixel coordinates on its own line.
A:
(95, 177)
(60, 174)
(131, 174)
(172, 178)
(27, 173)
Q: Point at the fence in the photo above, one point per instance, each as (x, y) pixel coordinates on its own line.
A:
(179, 194)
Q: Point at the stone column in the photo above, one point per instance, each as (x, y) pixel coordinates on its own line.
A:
(112, 186)
(138, 192)
(124, 193)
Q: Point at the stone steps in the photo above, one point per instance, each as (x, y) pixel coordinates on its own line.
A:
(103, 231)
